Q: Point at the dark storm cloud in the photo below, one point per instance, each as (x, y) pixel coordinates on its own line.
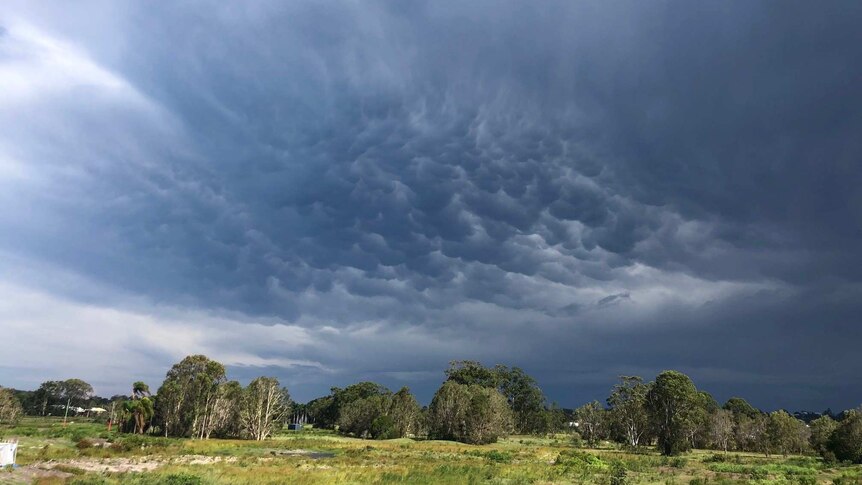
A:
(583, 190)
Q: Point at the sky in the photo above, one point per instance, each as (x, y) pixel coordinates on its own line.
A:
(329, 192)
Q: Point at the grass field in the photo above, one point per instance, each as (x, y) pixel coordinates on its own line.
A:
(84, 453)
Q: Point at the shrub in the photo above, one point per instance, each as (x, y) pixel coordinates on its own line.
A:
(498, 456)
(84, 443)
(618, 473)
(69, 469)
(383, 428)
(182, 479)
(90, 480)
(758, 473)
(580, 462)
(577, 441)
(715, 458)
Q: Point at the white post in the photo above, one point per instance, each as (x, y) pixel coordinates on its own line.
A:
(67, 411)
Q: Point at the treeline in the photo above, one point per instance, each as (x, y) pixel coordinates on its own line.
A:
(675, 416)
(475, 404)
(196, 400)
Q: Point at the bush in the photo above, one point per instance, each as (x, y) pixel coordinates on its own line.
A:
(182, 479)
(580, 462)
(675, 462)
(77, 435)
(91, 480)
(758, 473)
(847, 480)
(383, 428)
(498, 456)
(169, 479)
(618, 473)
(140, 442)
(84, 443)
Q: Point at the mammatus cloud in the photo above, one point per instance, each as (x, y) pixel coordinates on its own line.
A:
(329, 192)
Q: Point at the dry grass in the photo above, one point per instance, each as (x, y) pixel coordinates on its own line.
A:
(50, 455)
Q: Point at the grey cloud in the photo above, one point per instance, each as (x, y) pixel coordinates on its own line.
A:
(519, 180)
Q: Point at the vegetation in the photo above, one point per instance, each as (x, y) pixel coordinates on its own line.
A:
(507, 433)
(73, 455)
(10, 407)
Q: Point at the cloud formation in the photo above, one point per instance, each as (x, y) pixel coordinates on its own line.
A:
(336, 191)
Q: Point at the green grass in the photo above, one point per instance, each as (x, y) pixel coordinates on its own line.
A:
(84, 450)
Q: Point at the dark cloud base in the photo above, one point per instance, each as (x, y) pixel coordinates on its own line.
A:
(582, 190)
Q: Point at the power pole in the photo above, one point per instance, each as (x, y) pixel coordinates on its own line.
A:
(67, 411)
(111, 419)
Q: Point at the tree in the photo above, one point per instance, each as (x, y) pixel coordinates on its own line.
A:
(470, 372)
(264, 404)
(821, 430)
(405, 413)
(523, 395)
(380, 415)
(846, 441)
(525, 399)
(671, 403)
(786, 433)
(171, 408)
(556, 419)
(191, 397)
(698, 426)
(327, 411)
(221, 409)
(10, 407)
(140, 406)
(627, 409)
(591, 419)
(740, 407)
(48, 394)
(721, 428)
(319, 411)
(75, 391)
(470, 413)
(359, 416)
(226, 420)
(752, 434)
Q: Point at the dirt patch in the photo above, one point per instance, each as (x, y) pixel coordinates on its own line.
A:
(125, 465)
(202, 459)
(112, 465)
(314, 455)
(29, 474)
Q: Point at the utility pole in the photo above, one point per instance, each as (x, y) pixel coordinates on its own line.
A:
(111, 419)
(67, 411)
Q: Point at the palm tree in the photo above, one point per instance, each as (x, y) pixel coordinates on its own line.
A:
(140, 406)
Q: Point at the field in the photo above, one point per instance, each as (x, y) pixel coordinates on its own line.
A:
(84, 453)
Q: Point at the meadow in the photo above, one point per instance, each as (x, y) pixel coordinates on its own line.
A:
(86, 453)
